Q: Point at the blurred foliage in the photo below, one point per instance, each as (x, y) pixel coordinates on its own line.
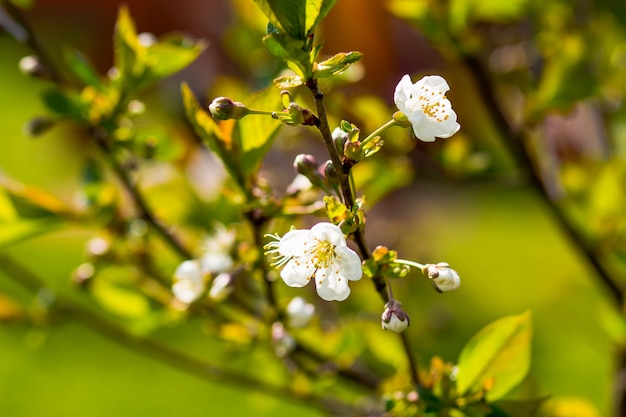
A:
(116, 194)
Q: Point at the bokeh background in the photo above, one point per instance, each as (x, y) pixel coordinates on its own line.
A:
(484, 220)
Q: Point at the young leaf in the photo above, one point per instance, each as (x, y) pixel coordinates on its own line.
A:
(81, 67)
(298, 18)
(130, 55)
(497, 357)
(21, 230)
(168, 56)
(66, 103)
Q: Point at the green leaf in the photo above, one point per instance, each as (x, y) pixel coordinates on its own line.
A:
(298, 18)
(66, 103)
(168, 56)
(287, 81)
(291, 50)
(257, 133)
(497, 358)
(130, 55)
(20, 230)
(117, 299)
(81, 67)
(517, 408)
(8, 213)
(210, 134)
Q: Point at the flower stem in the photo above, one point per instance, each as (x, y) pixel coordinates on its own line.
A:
(378, 131)
(415, 265)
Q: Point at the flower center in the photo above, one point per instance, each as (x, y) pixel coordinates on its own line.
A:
(433, 110)
(323, 253)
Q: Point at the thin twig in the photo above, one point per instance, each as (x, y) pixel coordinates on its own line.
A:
(161, 352)
(515, 142)
(140, 203)
(343, 174)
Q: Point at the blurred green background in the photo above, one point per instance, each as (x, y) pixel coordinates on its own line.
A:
(495, 231)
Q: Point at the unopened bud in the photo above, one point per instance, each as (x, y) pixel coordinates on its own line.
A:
(394, 318)
(330, 175)
(352, 151)
(284, 343)
(223, 108)
(37, 126)
(222, 287)
(443, 278)
(31, 65)
(307, 165)
(299, 312)
(402, 119)
(339, 138)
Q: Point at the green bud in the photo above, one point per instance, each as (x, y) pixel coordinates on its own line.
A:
(223, 108)
(37, 126)
(402, 119)
(352, 151)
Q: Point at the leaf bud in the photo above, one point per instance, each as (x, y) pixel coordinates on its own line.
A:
(307, 165)
(329, 174)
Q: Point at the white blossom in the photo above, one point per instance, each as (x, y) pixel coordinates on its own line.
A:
(188, 282)
(299, 312)
(443, 278)
(320, 253)
(216, 256)
(426, 106)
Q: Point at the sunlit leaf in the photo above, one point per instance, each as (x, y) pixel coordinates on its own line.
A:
(497, 357)
(130, 55)
(32, 202)
(337, 64)
(292, 51)
(287, 81)
(367, 174)
(117, 299)
(20, 230)
(257, 133)
(206, 128)
(168, 56)
(8, 213)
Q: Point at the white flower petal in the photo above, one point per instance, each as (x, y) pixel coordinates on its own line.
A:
(349, 263)
(332, 287)
(329, 232)
(297, 273)
(294, 243)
